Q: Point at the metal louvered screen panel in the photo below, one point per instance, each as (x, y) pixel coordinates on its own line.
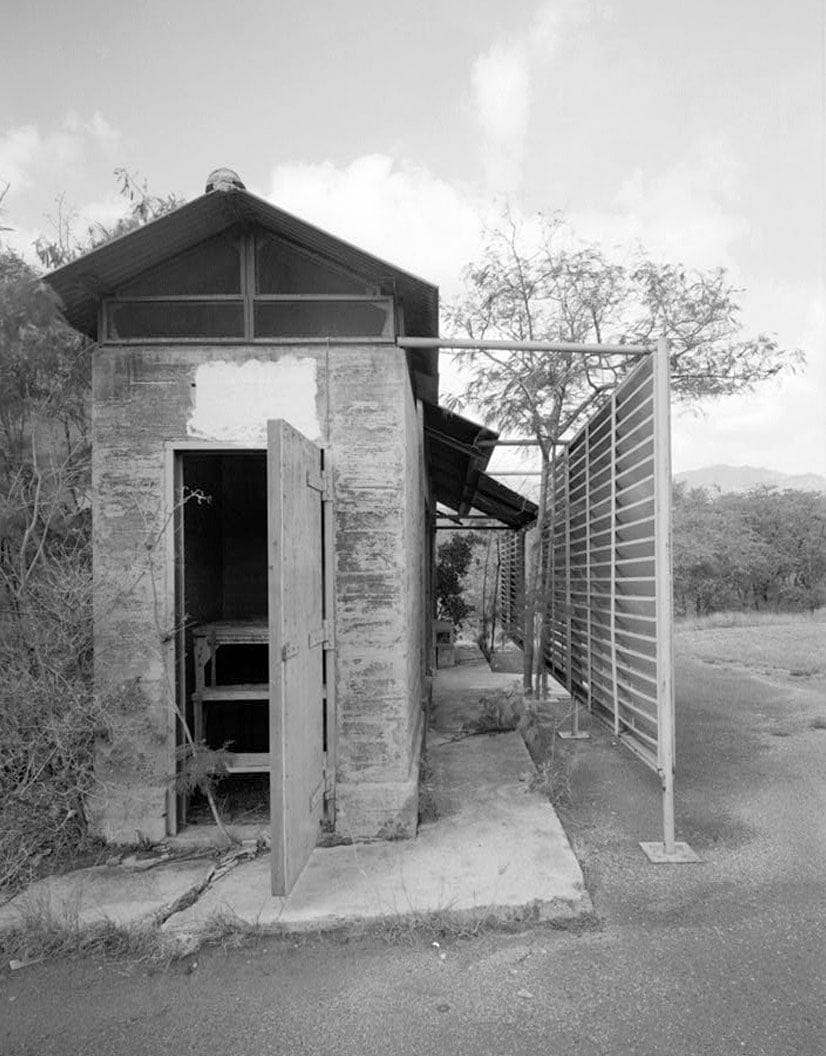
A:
(608, 549)
(512, 583)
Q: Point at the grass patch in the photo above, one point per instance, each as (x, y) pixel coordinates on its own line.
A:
(553, 778)
(228, 932)
(445, 926)
(436, 927)
(507, 710)
(427, 792)
(552, 760)
(44, 935)
(787, 644)
(748, 618)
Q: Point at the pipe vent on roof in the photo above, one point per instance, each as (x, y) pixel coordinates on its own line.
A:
(224, 180)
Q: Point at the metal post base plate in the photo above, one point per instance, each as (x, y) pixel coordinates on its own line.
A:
(568, 735)
(681, 852)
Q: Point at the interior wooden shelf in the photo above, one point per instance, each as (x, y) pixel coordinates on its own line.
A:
(249, 763)
(207, 640)
(231, 693)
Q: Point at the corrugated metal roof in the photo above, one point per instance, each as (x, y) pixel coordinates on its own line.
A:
(96, 274)
(457, 463)
(454, 460)
(501, 502)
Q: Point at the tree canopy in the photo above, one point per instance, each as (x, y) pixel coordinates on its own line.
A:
(548, 287)
(44, 387)
(542, 285)
(762, 549)
(453, 559)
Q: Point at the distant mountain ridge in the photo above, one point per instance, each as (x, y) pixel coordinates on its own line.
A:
(744, 478)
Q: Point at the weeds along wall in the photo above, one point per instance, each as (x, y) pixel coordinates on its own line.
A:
(607, 577)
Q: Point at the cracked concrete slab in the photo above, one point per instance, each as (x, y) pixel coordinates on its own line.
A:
(496, 850)
(493, 850)
(123, 894)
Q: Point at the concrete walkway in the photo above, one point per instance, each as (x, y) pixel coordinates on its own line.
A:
(493, 849)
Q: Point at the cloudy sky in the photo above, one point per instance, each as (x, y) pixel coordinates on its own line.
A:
(696, 129)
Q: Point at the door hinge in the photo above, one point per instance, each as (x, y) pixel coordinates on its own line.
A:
(288, 650)
(319, 482)
(321, 636)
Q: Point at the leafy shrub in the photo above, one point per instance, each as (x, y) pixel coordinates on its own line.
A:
(49, 717)
(499, 713)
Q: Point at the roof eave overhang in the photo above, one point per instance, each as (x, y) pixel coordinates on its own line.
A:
(502, 503)
(458, 452)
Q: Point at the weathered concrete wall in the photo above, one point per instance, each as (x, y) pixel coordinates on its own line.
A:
(144, 397)
(414, 548)
(377, 490)
(357, 399)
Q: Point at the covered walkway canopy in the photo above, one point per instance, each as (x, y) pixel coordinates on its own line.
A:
(458, 451)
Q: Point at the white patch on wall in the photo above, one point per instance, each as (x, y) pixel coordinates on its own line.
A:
(234, 401)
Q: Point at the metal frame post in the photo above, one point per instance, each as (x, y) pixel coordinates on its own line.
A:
(589, 629)
(670, 850)
(613, 603)
(575, 734)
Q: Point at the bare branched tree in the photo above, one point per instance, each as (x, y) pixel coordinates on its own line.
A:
(541, 285)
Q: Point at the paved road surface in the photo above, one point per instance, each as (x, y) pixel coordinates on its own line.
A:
(725, 957)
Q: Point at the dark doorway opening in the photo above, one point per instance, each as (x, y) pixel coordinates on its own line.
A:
(223, 595)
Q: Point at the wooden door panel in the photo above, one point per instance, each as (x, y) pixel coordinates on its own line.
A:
(295, 615)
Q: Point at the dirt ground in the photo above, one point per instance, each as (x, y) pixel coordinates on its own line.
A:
(725, 956)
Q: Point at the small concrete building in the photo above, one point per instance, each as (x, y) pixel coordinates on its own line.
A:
(267, 458)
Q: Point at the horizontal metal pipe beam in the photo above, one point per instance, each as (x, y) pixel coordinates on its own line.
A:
(449, 441)
(520, 442)
(476, 528)
(565, 348)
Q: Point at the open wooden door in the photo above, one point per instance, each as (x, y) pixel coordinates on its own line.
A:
(296, 647)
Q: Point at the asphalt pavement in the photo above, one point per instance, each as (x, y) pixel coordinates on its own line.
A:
(725, 956)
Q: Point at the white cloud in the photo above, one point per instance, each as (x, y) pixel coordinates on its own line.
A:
(48, 170)
(18, 148)
(501, 89)
(501, 84)
(399, 211)
(690, 212)
(552, 19)
(781, 425)
(26, 153)
(107, 136)
(687, 213)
